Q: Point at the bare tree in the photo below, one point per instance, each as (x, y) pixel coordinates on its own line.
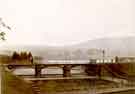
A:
(2, 32)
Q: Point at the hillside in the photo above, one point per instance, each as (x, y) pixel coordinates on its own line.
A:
(123, 46)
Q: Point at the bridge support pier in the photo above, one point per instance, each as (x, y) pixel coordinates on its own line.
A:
(67, 71)
(38, 71)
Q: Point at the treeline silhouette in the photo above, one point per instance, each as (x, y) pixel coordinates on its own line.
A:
(22, 56)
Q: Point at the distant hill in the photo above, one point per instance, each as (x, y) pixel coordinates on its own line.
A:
(124, 46)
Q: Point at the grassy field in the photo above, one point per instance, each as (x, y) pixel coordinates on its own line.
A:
(15, 85)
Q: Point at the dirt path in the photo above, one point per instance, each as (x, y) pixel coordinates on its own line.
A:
(107, 91)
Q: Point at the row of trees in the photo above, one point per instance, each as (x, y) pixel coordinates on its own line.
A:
(22, 56)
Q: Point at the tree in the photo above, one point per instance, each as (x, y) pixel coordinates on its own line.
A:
(30, 57)
(15, 56)
(2, 32)
(23, 55)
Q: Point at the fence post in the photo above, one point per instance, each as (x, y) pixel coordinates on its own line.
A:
(66, 71)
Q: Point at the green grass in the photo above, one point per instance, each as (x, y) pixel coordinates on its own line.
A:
(14, 85)
(64, 85)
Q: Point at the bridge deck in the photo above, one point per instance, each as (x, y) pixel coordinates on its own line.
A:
(55, 64)
(59, 78)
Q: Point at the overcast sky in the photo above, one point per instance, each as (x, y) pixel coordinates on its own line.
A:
(65, 22)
